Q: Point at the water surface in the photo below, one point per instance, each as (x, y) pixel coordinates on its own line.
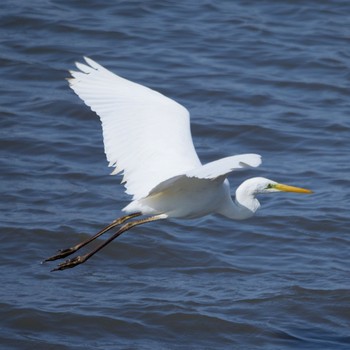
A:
(257, 76)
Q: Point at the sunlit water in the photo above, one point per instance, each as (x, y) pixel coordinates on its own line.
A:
(257, 76)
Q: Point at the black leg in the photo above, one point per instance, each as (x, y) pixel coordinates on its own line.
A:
(82, 258)
(66, 252)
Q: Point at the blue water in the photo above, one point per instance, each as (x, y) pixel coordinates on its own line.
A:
(257, 76)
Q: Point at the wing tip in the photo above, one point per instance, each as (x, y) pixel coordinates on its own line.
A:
(257, 160)
(252, 160)
(93, 64)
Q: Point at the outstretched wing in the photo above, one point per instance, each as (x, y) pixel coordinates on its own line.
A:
(224, 166)
(146, 135)
(217, 169)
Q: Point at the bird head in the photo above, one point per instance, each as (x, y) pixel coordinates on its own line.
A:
(262, 185)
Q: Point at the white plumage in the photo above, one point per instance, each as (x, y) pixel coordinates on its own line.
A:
(147, 137)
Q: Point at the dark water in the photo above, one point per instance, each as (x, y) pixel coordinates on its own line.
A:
(258, 76)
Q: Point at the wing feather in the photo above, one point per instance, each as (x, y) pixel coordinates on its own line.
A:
(217, 169)
(146, 135)
(224, 166)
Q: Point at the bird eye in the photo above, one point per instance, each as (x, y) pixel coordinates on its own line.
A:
(269, 186)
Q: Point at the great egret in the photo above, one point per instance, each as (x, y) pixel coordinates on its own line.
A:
(147, 136)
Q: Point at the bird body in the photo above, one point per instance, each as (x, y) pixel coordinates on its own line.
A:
(147, 137)
(196, 193)
(189, 198)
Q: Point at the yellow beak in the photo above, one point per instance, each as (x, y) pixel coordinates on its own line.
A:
(287, 188)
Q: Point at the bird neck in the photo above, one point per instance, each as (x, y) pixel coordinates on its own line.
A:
(244, 205)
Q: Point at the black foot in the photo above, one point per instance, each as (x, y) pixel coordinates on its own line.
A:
(61, 254)
(68, 264)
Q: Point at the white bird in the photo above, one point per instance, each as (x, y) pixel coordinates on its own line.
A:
(147, 137)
